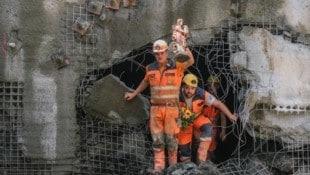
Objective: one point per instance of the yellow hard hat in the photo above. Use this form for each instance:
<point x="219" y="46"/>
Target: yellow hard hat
<point x="160" y="46"/>
<point x="213" y="79"/>
<point x="191" y="80"/>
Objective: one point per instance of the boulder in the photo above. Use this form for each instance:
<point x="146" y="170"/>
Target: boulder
<point x="106" y="101"/>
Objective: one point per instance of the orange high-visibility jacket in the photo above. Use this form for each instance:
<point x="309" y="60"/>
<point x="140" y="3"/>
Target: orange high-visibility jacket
<point x="211" y="112"/>
<point x="164" y="87"/>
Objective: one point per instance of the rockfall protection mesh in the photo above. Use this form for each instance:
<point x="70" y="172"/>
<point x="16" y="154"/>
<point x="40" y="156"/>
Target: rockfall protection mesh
<point x="12" y="157"/>
<point x="107" y="148"/>
<point x="74" y="44"/>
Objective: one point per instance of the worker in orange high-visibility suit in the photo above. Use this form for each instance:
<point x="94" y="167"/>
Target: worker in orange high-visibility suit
<point x="194" y="98"/>
<point x="164" y="77"/>
<point x="215" y="115"/>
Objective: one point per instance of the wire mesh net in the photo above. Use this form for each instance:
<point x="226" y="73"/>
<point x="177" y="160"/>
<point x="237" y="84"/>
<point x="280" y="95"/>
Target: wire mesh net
<point x="79" y="44"/>
<point x="107" y="148"/>
<point x="12" y="157"/>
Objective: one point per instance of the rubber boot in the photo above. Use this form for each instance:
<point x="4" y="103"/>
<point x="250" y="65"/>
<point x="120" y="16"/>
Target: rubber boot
<point x="202" y="152"/>
<point x="159" y="160"/>
<point x="173" y="157"/>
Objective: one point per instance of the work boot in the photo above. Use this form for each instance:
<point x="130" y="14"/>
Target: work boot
<point x="159" y="160"/>
<point x="158" y="172"/>
<point x="202" y="152"/>
<point x="154" y="172"/>
<point x="185" y="159"/>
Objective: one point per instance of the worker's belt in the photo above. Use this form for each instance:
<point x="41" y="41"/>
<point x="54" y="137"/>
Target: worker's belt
<point x="164" y="104"/>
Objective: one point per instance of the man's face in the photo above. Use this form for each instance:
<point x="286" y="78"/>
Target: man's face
<point x="161" y="57"/>
<point x="189" y="91"/>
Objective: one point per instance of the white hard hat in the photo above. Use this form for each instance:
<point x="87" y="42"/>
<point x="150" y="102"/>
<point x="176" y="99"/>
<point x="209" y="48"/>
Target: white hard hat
<point x="160" y="46"/>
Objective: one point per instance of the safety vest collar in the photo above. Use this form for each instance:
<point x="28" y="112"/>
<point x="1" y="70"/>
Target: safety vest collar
<point x="170" y="65"/>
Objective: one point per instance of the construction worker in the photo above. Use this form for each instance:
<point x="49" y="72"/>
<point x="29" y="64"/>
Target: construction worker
<point x="195" y="98"/>
<point x="164" y="77"/>
<point x="215" y="115"/>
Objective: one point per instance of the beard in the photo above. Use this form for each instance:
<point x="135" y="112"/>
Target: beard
<point x="188" y="94"/>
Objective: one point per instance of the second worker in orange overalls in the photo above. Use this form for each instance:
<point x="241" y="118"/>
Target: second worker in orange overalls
<point x="195" y="98"/>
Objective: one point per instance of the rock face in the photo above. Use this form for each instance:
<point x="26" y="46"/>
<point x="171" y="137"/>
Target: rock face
<point x="32" y="31"/>
<point x="278" y="77"/>
<point x="106" y="101"/>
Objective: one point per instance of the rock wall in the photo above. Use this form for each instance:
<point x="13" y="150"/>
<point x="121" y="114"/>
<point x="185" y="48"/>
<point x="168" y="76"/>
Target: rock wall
<point x="39" y="30"/>
<point x="276" y="71"/>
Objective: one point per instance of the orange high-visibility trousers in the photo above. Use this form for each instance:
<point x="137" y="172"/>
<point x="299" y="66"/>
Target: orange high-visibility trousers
<point x="159" y="160"/>
<point x="173" y="157"/>
<point x="185" y="135"/>
<point x="202" y="128"/>
<point x="184" y="140"/>
<point x="164" y="127"/>
<point x="213" y="140"/>
<point x="202" y="152"/>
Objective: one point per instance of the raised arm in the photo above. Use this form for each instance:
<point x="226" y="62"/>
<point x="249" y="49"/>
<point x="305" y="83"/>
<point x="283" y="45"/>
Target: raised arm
<point x="190" y="61"/>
